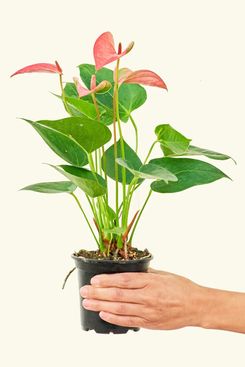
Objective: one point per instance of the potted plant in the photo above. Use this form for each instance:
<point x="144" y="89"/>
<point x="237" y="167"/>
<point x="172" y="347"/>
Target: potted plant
<point x="90" y="139"/>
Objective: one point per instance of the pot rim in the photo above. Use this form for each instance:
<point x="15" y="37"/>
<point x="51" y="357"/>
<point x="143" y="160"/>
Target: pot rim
<point x="108" y="261"/>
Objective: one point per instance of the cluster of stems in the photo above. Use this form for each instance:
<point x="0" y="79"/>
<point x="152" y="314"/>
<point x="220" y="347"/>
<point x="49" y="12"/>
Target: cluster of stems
<point x="113" y="228"/>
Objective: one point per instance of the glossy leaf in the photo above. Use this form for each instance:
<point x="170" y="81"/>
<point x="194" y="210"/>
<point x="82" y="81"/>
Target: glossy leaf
<point x="172" y="142"/>
<point x="130" y="156"/>
<point x="91" y="183"/>
<point x="131" y="96"/>
<point x="190" y="172"/>
<point x="52" y="187"/>
<point x="40" y="68"/>
<point x="193" y="150"/>
<point x="70" y="90"/>
<point x="105" y="52"/>
<point x="85" y="106"/>
<point x="64" y="146"/>
<point x="89" y="134"/>
<point x="148" y="171"/>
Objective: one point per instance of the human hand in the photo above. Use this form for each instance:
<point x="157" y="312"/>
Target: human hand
<point x="153" y="300"/>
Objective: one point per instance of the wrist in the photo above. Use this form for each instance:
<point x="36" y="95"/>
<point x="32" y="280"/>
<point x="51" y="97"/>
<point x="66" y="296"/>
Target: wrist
<point x="221" y="310"/>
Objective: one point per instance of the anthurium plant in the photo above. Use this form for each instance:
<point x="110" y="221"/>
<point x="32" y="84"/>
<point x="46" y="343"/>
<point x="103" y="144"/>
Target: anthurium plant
<point x="90" y="139"/>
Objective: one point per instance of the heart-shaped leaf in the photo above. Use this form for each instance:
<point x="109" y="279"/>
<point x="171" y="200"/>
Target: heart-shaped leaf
<point x="148" y="171"/>
<point x="131" y="96"/>
<point x="89" y="134"/>
<point x="108" y="161"/>
<point x="52" y="187"/>
<point x="91" y="183"/>
<point x="64" y="146"/>
<point x="190" y="172"/>
<point x="172" y="142"/>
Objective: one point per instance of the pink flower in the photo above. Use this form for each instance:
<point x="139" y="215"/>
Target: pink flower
<point x="105" y="52"/>
<point x="102" y="87"/>
<point x="145" y="77"/>
<point x="40" y="68"/>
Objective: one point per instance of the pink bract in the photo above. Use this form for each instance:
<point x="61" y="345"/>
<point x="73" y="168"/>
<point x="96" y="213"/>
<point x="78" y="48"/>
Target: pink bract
<point x="100" y="88"/>
<point x="40" y="68"/>
<point x="144" y="77"/>
<point x="105" y="52"/>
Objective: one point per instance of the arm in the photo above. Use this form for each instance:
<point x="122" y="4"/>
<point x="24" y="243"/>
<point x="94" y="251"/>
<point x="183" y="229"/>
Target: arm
<point x="163" y="301"/>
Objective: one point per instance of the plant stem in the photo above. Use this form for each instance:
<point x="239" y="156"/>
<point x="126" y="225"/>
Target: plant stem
<point x="141" y="211"/>
<point x="116" y="102"/>
<point x="63" y="94"/>
<point x="103" y="150"/>
<point x="84" y="214"/>
<point x="96" y="106"/>
<point x="136" y="133"/>
<point x="115" y="157"/>
<point x="149" y="153"/>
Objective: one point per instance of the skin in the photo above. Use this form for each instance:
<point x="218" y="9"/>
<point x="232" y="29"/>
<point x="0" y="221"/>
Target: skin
<point x="163" y="301"/>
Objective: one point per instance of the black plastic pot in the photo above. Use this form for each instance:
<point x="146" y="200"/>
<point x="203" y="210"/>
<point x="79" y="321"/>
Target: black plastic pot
<point x="87" y="268"/>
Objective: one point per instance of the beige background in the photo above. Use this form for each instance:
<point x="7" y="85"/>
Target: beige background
<point x="198" y="48"/>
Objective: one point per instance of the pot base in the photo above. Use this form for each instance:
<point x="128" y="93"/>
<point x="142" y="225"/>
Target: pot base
<point x="112" y="331"/>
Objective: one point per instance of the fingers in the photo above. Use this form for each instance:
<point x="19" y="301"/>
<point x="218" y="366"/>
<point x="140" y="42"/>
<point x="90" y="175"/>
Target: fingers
<point x="130" y="321"/>
<point x="121" y="280"/>
<point x="113" y="294"/>
<point x="119" y="308"/>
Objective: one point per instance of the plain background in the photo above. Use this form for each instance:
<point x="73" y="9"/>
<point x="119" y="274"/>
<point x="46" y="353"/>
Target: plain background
<point x="198" y="49"/>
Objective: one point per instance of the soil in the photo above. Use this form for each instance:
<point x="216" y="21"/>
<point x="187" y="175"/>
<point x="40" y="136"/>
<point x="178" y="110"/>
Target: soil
<point x="133" y="254"/>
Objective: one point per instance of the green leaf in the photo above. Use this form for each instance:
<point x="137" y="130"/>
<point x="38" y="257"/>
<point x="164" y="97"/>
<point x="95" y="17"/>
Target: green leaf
<point x="131" y="96"/>
<point x="52" y="187"/>
<point x="89" y="134"/>
<point x="91" y="183"/>
<point x="111" y="213"/>
<point x="70" y="90"/>
<point x="77" y="108"/>
<point x="148" y="171"/>
<point x="63" y="145"/>
<point x="190" y="172"/>
<point x="193" y="150"/>
<point x="130" y="156"/>
<point x="83" y="108"/>
<point x="172" y="142"/>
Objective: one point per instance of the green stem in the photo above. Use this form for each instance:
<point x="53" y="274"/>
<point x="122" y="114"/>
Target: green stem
<point x="138" y="218"/>
<point x="116" y="101"/>
<point x="149" y="153"/>
<point x="84" y="214"/>
<point x="103" y="150"/>
<point x="115" y="157"/>
<point x="136" y="133"/>
<point x="63" y="94"/>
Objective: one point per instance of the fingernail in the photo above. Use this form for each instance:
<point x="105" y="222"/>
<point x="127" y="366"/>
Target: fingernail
<point x="95" y="280"/>
<point x="85" y="303"/>
<point x="84" y="291"/>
